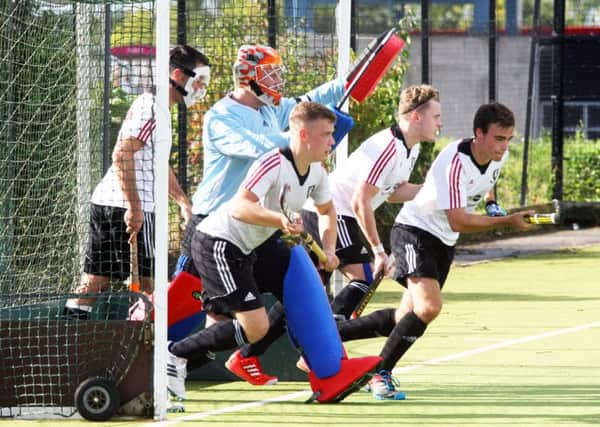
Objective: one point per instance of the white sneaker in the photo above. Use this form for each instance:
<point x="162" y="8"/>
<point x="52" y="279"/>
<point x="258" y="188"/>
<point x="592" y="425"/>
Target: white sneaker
<point x="176" y="372"/>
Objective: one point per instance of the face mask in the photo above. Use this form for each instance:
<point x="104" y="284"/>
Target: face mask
<point x="201" y="79"/>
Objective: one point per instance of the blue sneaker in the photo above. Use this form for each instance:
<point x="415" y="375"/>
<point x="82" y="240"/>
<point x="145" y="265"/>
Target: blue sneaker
<point x="383" y="386"/>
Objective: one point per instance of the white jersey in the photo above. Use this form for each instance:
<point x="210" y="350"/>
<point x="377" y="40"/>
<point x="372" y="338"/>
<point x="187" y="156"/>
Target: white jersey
<point x="139" y="124"/>
<point x="383" y="160"/>
<point x="454" y="181"/>
<point x="267" y="176"/>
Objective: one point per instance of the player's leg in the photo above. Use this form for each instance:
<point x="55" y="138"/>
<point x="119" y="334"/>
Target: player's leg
<point x="355" y="260"/>
<point x="105" y="253"/>
<point x="269" y="270"/>
<point x="422" y="263"/>
<point x="228" y="288"/>
<point x="358" y="278"/>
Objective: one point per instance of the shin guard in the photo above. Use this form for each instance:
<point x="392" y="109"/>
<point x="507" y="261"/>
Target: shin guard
<point x="309" y="317"/>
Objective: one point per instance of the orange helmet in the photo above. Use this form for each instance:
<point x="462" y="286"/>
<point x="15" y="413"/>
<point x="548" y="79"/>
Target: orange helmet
<point x="259" y="68"/>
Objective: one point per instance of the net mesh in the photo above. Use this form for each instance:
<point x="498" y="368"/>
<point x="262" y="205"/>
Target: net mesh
<point x="55" y="86"/>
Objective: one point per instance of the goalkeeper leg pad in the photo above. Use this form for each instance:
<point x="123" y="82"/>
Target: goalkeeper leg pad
<point x="309" y="317"/>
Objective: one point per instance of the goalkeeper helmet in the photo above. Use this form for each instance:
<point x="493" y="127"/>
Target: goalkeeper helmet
<point x="259" y="69"/>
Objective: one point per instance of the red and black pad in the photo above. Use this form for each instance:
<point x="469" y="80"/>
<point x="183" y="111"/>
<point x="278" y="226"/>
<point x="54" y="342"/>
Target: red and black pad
<point x="353" y="374"/>
<point x="375" y="62"/>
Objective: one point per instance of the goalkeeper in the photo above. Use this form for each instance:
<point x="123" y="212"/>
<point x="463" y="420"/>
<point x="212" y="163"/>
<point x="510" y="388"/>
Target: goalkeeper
<point x="123" y="202"/>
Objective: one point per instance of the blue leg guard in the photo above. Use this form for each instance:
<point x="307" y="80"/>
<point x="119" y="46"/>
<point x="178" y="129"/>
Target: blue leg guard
<point x="309" y="317"/>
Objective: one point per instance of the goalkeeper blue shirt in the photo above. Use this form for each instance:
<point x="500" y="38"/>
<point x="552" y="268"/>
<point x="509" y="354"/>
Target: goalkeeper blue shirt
<point x="235" y="135"/>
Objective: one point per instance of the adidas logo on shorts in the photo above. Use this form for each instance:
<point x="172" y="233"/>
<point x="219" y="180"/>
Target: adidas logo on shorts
<point x="364" y="251"/>
<point x="249" y="297"/>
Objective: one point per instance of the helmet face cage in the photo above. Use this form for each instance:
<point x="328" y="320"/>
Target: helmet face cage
<point x="256" y="63"/>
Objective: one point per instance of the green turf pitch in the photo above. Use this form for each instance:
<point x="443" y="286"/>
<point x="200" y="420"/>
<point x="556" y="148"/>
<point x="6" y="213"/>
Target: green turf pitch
<point x="517" y="344"/>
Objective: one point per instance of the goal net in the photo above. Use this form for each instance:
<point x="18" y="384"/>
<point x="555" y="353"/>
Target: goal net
<point x="62" y="95"/>
<point x="69" y="72"/>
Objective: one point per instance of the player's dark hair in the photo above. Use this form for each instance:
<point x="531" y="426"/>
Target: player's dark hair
<point x="186" y="58"/>
<point x="310" y="111"/>
<point x="489" y="114"/>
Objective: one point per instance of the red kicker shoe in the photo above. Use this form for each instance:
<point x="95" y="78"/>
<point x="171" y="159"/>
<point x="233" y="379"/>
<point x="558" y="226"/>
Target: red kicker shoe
<point x="353" y="374"/>
<point x="249" y="369"/>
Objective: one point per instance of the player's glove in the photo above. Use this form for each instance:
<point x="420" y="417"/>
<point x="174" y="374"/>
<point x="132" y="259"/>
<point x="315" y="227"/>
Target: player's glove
<point x="494" y="209"/>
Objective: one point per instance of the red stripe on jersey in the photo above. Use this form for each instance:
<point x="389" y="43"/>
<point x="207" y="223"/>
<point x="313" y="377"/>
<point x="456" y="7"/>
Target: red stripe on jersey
<point x="455" y="169"/>
<point x="146" y="130"/>
<point x="381" y="162"/>
<point x="268" y="164"/>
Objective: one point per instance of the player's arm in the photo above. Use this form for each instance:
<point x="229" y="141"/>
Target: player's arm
<point x="177" y="194"/>
<point x="232" y="137"/>
<point x="405" y="192"/>
<point x="362" y="208"/>
<point x="124" y="166"/>
<point x="462" y="221"/>
<point x="245" y="207"/>
<point x="328" y="93"/>
<point x="328" y="232"/>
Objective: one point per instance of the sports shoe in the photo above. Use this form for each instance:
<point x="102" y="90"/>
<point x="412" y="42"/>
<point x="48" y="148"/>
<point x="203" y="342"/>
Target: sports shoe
<point x="176" y="372"/>
<point x="383" y="386"/>
<point x="249" y="369"/>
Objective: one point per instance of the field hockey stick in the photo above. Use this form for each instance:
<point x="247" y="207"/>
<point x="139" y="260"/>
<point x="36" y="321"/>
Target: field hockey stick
<point x="542" y="219"/>
<point x="367" y="296"/>
<point x="306" y="238"/>
<point x="134" y="272"/>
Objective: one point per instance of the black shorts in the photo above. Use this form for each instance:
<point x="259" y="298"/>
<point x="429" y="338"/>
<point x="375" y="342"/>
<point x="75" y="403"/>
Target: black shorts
<point x="107" y="250"/>
<point x="184" y="262"/>
<point x="233" y="281"/>
<point x="418" y="253"/>
<point x="351" y="246"/>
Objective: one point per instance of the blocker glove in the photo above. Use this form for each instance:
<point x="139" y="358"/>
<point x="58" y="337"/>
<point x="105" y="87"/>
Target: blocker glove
<point x="494" y="209"/>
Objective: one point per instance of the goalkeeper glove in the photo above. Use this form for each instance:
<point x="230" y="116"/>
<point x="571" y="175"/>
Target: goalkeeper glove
<point x="494" y="209"/>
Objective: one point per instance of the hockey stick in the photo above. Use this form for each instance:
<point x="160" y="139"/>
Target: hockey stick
<point x="542" y="219"/>
<point x="367" y="296"/>
<point x="306" y="238"/>
<point x="134" y="272"/>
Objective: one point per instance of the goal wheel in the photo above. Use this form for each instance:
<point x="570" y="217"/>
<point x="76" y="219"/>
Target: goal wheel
<point x="97" y="399"/>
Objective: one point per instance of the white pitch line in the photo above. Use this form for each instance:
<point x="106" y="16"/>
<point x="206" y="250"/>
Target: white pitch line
<point x="497" y="346"/>
<point x="432" y="362"/>
<point x="202" y="415"/>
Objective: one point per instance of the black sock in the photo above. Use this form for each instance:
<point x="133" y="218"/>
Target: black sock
<point x="376" y="324"/>
<point x="347" y="299"/>
<point x="221" y="336"/>
<point x="276" y="329"/>
<point x="402" y="337"/>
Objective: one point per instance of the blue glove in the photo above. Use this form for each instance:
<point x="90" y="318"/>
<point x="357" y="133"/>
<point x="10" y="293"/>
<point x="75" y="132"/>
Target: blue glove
<point x="493" y="209"/>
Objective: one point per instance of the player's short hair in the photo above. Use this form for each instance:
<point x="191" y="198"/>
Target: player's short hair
<point x="488" y="114"/>
<point x="414" y="97"/>
<point x="186" y="58"/>
<point x="309" y="111"/>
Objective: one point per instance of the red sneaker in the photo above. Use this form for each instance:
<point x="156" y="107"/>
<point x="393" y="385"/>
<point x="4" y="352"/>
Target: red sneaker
<point x="249" y="369"/>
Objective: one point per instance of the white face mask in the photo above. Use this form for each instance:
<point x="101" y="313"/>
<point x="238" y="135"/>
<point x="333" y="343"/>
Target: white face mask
<point x="200" y="80"/>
